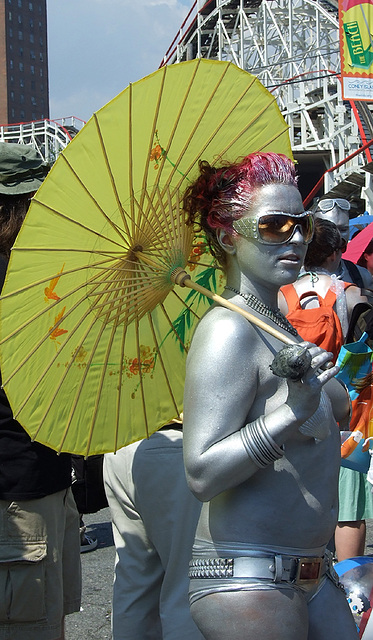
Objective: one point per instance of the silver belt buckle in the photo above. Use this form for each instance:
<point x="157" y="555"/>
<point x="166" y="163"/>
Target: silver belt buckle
<point x="308" y="570"/>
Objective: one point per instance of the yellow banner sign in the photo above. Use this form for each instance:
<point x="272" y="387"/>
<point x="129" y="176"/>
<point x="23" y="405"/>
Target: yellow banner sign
<point x="356" y="42"/>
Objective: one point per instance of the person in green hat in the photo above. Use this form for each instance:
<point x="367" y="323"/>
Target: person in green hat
<point x="40" y="579"/>
<point x="22" y="171"/>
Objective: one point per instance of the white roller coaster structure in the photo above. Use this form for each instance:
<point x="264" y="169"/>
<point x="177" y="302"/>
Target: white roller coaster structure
<point x="293" y="48"/>
<point x="47" y="136"/>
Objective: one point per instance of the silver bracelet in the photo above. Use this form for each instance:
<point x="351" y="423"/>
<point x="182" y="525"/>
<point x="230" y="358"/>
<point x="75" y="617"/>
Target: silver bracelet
<point x="260" y="446"/>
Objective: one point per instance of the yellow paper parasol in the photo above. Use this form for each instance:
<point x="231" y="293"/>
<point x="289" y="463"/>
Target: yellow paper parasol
<point x="94" y="331"/>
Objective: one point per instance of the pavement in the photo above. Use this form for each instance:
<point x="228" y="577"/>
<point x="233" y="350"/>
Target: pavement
<point x="93" y="621"/>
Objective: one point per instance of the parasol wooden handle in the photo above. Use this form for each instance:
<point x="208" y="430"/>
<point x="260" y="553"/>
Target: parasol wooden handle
<point x="181" y="278"/>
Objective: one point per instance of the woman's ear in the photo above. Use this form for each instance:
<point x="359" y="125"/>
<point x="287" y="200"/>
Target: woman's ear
<point x="226" y="241"/>
<point x="336" y="255"/>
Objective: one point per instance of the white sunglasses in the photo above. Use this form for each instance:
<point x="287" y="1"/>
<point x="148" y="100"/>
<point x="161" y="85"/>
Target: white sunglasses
<point x="328" y="204"/>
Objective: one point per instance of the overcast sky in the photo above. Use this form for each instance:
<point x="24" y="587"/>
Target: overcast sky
<point x="97" y="47"/>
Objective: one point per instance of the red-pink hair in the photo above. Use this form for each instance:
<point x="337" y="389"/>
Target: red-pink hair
<point x="221" y="195"/>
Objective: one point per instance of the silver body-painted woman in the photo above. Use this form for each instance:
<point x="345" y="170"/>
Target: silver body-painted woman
<point x="262" y="452"/>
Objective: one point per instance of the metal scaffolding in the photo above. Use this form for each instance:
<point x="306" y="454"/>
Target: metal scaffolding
<point x="293" y="48"/>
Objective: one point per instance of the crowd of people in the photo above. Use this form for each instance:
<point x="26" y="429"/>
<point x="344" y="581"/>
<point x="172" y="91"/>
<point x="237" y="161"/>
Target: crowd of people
<point x="228" y="525"/>
<point x="40" y="574"/>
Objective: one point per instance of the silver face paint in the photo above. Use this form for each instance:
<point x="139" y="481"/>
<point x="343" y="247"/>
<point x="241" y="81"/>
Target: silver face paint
<point x="339" y="216"/>
<point x="272" y="265"/>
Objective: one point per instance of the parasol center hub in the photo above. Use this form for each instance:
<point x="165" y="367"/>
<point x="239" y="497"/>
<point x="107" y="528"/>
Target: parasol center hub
<point x="132" y="254"/>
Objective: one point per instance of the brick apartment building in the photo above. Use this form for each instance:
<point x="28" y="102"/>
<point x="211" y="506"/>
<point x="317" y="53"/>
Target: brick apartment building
<point x="24" y="91"/>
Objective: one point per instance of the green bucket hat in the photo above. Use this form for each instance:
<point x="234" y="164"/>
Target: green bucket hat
<point x="22" y="170"/>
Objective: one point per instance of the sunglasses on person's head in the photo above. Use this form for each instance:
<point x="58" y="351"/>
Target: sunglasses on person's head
<point x="328" y="204"/>
<point x="276" y="227"/>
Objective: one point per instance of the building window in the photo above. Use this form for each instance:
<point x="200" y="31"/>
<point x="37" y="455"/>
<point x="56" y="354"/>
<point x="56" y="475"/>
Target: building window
<point x="31" y="23"/>
<point x="13" y="113"/>
<point x="22" y="98"/>
<point x="21" y="82"/>
<point x="19" y="19"/>
<point x="10" y="16"/>
<point x="21" y="52"/>
<point x="10" y="32"/>
<point x="20" y="35"/>
<point x="32" y="54"/>
<point x="33" y="101"/>
<point x="22" y="114"/>
<point x="30" y="6"/>
<point x="41" y="57"/>
<point x="32" y="38"/>
<point x="32" y="85"/>
<point x="32" y="69"/>
<point x="11" y="64"/>
<point x="12" y="96"/>
<point x="20" y="66"/>
<point x="20" y="3"/>
<point x="41" y="72"/>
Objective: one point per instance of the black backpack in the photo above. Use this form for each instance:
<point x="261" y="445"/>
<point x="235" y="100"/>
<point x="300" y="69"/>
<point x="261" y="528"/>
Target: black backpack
<point x="361" y="322"/>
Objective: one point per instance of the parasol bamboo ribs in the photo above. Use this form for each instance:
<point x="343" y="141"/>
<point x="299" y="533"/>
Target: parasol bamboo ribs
<point x="180" y="277"/>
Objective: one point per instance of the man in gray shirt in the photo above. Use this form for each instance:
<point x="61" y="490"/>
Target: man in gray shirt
<point x="354" y="490"/>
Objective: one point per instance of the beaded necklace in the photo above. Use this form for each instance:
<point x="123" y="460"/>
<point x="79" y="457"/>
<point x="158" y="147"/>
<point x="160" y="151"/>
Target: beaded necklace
<point x="273" y="314"/>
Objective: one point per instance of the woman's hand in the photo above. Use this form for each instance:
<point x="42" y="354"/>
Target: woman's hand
<point x="304" y="394"/>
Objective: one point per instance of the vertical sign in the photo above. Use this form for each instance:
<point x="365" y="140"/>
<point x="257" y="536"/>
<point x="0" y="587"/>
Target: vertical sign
<point x="356" y="43"/>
